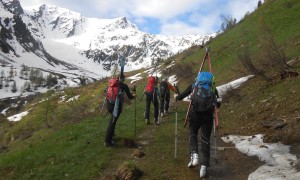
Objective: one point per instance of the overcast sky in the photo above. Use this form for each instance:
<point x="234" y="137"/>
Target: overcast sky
<point x="169" y="17"/>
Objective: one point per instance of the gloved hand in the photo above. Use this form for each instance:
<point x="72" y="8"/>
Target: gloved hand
<point x="219" y="100"/>
<point x="175" y="97"/>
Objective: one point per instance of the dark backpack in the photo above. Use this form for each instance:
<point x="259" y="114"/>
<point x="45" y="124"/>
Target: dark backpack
<point x="204" y="97"/>
<point x="112" y="90"/>
<point x="163" y="88"/>
<point x="150" y="85"/>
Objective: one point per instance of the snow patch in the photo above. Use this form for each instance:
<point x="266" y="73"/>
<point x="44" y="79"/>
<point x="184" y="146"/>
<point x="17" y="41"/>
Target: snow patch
<point x="279" y="161"/>
<point x="18" y="117"/>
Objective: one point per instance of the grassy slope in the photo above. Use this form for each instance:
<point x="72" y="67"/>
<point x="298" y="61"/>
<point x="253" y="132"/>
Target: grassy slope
<point x="73" y="145"/>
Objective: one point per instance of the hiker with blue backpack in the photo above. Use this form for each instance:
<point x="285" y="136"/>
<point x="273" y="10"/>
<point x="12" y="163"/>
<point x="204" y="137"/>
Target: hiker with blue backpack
<point x="115" y="98"/>
<point x="201" y="115"/>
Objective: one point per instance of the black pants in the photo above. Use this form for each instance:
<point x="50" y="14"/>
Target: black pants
<point x="112" y="123"/>
<point x="164" y="102"/>
<point x="151" y="98"/>
<point x="203" y="121"/>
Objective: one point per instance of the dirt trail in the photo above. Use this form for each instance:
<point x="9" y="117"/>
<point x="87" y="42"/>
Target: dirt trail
<point x="159" y="163"/>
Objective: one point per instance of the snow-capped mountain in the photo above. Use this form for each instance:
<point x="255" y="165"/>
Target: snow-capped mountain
<point x="61" y="41"/>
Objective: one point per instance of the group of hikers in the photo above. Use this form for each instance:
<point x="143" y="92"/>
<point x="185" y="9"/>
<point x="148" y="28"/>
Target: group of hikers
<point x="203" y="103"/>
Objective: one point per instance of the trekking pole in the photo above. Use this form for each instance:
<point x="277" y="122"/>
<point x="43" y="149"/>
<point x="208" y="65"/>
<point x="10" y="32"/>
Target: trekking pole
<point x="104" y="102"/>
<point x="176" y="136"/>
<point x="143" y="93"/>
<point x="134" y="90"/>
<point x="96" y="131"/>
<point x="201" y="67"/>
<point x="176" y="119"/>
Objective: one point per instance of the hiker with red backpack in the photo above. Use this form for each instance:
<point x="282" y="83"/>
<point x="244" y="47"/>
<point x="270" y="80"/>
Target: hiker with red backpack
<point x="152" y="93"/>
<point x="201" y="116"/>
<point x="164" y="89"/>
<point x="115" y="98"/>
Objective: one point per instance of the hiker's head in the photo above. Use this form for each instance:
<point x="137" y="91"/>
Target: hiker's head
<point x="122" y="78"/>
<point x="166" y="79"/>
<point x="156" y="79"/>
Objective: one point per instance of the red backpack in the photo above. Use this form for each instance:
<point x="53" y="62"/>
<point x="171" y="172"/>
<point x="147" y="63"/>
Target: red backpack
<point x="112" y="90"/>
<point x="150" y="85"/>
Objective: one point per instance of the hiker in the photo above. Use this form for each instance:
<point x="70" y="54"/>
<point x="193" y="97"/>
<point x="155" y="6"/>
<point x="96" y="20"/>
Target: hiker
<point x="164" y="90"/>
<point x="112" y="105"/>
<point x="151" y="92"/>
<point x="204" y="100"/>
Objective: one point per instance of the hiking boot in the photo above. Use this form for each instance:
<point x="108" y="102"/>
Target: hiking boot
<point x="161" y="114"/>
<point x="107" y="144"/>
<point x="147" y="121"/>
<point x="194" y="160"/>
<point x="203" y="171"/>
<point x="156" y="121"/>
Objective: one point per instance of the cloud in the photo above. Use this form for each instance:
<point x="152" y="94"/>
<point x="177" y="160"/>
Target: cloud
<point x="161" y="16"/>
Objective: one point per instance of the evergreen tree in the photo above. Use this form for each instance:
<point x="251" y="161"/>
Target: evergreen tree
<point x="23" y="67"/>
<point x="32" y="74"/>
<point x="1" y="84"/>
<point x="6" y="82"/>
<point x="27" y="86"/>
<point x="22" y="74"/>
<point x="11" y="73"/>
<point x="2" y="74"/>
<point x="2" y="63"/>
<point x="259" y="3"/>
<point x="14" y="87"/>
<point x="26" y="75"/>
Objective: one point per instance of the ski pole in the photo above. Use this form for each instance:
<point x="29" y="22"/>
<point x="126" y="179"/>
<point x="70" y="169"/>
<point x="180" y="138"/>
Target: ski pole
<point x="104" y="102"/>
<point x="96" y="131"/>
<point x="176" y="136"/>
<point x="143" y="94"/>
<point x="201" y="67"/>
<point x="134" y="90"/>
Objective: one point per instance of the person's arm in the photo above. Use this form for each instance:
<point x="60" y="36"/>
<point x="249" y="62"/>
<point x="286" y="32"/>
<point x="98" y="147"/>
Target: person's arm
<point x="127" y="91"/>
<point x="171" y="87"/>
<point x="218" y="104"/>
<point x="184" y="94"/>
<point x="156" y="90"/>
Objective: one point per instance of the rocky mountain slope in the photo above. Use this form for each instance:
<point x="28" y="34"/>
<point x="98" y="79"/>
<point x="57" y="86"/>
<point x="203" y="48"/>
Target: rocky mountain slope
<point x="62" y="41"/>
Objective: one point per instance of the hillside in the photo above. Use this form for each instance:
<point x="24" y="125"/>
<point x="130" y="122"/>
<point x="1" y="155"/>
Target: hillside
<point x="62" y="135"/>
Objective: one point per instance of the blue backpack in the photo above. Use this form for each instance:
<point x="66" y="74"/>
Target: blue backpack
<point x="204" y="97"/>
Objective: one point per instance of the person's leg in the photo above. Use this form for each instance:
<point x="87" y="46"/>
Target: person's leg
<point x="148" y="102"/>
<point x="156" y="104"/>
<point x="206" y="129"/>
<point x="194" y="125"/>
<point x="162" y="100"/>
<point x="110" y="131"/>
<point x="111" y="127"/>
<point x="167" y="101"/>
